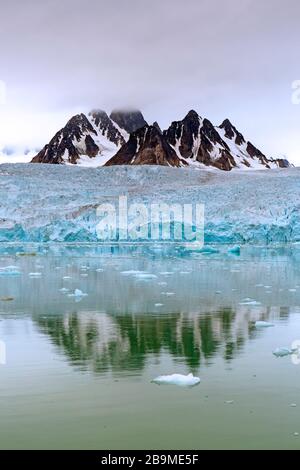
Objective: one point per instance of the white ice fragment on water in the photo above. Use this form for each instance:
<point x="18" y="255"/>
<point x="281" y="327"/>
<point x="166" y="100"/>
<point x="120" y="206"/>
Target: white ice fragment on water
<point x="292" y="290"/>
<point x="185" y="272"/>
<point x="10" y="271"/>
<point x="34" y="274"/>
<point x="158" y="305"/>
<point x="293" y="405"/>
<point x="64" y="289"/>
<point x="145" y="276"/>
<point x="99" y="270"/>
<point x="283" y="351"/>
<point x="84" y="275"/>
<point x="168" y="293"/>
<point x="250" y="302"/>
<point x="131" y="272"/>
<point x="177" y="379"/>
<point x="229" y="402"/>
<point x="162" y="283"/>
<point x="78" y="293"/>
<point x="67" y="277"/>
<point x="263" y="324"/>
<point x="166" y="273"/>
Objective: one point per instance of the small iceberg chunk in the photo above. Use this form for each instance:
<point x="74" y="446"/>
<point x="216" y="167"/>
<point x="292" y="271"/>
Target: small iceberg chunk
<point x="250" y="302"/>
<point x="131" y="272"/>
<point x="77" y="293"/>
<point x="177" y="379"/>
<point x="10" y="271"/>
<point x="145" y="276"/>
<point x="263" y="324"/>
<point x="208" y="250"/>
<point x="235" y="250"/>
<point x="34" y="274"/>
<point x="281" y="352"/>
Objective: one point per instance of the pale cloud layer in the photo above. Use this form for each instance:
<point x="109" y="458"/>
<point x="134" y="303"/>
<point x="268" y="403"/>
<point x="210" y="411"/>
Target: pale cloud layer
<point x="233" y="59"/>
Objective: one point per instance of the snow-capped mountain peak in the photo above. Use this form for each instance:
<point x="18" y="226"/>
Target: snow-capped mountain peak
<point x="88" y="140"/>
<point x="231" y="132"/>
<point x="146" y="146"/>
<point x="124" y="137"/>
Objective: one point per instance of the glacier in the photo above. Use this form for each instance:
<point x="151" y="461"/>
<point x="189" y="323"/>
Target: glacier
<point x="49" y="203"/>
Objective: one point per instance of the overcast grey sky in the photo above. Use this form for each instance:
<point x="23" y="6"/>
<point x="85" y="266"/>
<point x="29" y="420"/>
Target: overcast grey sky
<point x="233" y="59"/>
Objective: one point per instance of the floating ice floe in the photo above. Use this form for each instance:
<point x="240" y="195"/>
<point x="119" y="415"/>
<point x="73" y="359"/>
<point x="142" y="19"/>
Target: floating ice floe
<point x="263" y="324"/>
<point x="34" y="274"/>
<point x="158" y="305"/>
<point x="234" y="250"/>
<point x="64" y="290"/>
<point x="10" y="271"/>
<point x="132" y="272"/>
<point x="145" y="276"/>
<point x="177" y="379"/>
<point x="281" y="352"/>
<point x="250" y="302"/>
<point x="67" y="277"/>
<point x="78" y="293"/>
<point x="208" y="250"/>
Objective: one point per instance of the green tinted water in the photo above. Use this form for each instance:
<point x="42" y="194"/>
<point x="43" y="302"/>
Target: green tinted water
<point x="78" y="370"/>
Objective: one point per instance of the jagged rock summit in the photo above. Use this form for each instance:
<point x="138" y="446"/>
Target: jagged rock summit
<point x="73" y="140"/>
<point x="90" y="140"/>
<point x="129" y="120"/>
<point x="125" y="138"/>
<point x="146" y="146"/>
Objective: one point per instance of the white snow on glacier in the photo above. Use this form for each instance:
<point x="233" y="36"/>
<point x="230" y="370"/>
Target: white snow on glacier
<point x="44" y="203"/>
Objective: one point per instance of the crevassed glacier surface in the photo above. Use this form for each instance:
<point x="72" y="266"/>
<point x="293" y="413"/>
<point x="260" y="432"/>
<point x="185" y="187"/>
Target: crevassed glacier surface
<point x="45" y="203"/>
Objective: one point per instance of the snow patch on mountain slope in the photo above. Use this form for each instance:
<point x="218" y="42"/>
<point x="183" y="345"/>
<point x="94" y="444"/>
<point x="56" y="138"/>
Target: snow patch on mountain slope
<point x="240" y="152"/>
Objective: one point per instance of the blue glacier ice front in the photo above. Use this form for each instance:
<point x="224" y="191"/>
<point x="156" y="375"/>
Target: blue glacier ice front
<point x="49" y="203"/>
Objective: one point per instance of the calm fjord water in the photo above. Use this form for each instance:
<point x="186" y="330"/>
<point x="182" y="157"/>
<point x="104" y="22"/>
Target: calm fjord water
<point x="79" y="368"/>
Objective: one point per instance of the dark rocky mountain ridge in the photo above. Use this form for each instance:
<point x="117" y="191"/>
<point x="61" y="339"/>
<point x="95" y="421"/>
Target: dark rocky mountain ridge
<point x="125" y="138"/>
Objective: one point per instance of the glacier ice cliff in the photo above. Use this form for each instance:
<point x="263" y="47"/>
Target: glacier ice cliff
<point x="48" y="203"/>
